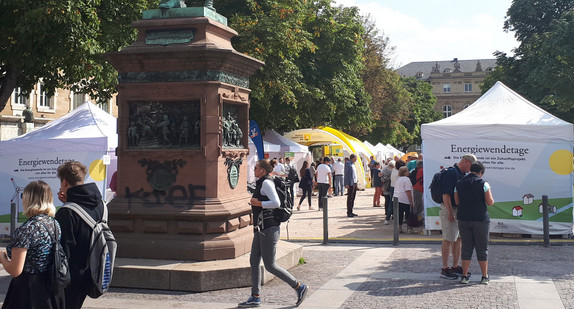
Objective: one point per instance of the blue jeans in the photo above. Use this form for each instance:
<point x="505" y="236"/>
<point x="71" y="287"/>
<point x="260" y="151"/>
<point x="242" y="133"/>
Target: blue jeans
<point x="339" y="187"/>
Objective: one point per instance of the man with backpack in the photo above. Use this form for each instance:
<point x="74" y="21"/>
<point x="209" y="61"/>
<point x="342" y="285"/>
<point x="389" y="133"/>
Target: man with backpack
<point x="76" y="234"/>
<point x="449" y="225"/>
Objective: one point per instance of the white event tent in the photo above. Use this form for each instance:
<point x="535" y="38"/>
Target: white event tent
<point x="300" y="152"/>
<point x="527" y="153"/>
<point x="86" y="134"/>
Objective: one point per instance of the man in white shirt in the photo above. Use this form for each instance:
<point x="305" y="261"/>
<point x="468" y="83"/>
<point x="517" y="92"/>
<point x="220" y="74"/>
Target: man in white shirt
<point x="339" y="169"/>
<point x="279" y="169"/>
<point x="324" y="180"/>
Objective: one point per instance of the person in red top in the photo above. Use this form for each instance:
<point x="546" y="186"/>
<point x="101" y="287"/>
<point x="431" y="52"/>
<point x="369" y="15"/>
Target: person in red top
<point x="418" y="187"/>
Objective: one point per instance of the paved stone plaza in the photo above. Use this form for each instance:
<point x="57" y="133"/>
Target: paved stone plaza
<point x="362" y="270"/>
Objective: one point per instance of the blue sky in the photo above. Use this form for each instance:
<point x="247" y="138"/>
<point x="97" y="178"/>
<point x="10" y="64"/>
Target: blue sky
<point x="426" y="30"/>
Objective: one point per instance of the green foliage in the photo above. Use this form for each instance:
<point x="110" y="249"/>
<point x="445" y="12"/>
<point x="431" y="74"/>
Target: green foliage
<point x="62" y="42"/>
<point x="313" y="60"/>
<point x="302" y="261"/>
<point x="422" y="108"/>
<point x="541" y="69"/>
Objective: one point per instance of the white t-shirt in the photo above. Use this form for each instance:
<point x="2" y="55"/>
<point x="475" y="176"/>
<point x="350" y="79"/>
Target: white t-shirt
<point x="403" y="185"/>
<point x="339" y="168"/>
<point x="279" y="168"/>
<point x="323" y="174"/>
<point x="394" y="176"/>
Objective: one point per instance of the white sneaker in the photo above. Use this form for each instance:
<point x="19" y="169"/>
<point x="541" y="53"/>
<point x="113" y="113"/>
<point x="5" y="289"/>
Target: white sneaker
<point x="386" y="222"/>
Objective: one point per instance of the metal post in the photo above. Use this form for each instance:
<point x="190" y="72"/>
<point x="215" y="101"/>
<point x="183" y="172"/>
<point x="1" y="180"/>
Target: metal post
<point x="325" y="220"/>
<point x="13" y="218"/>
<point x="545" y="222"/>
<point x="396" y="221"/>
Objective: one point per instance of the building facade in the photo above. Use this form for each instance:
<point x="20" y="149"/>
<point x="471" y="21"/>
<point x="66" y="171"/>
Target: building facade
<point x="456" y="83"/>
<point x="41" y="109"/>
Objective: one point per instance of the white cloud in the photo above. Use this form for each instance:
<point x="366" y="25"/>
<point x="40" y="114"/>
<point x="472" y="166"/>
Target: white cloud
<point x="469" y="36"/>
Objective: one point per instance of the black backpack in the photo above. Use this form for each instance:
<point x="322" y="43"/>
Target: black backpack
<point x="292" y="175"/>
<point x="58" y="277"/>
<point x="435" y="186"/>
<point x="413" y="176"/>
<point x="284" y="211"/>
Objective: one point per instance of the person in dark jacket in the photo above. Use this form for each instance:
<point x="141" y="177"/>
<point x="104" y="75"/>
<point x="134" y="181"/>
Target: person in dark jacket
<point x="472" y="195"/>
<point x="75" y="232"/>
<point x="265" y="237"/>
<point x="306" y="184"/>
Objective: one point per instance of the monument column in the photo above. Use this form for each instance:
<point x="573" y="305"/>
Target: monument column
<point x="183" y="107"/>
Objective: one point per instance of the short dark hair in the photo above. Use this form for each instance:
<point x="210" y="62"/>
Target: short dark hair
<point x="477" y="167"/>
<point x="73" y="172"/>
<point x="352" y="156"/>
<point x="326" y="159"/>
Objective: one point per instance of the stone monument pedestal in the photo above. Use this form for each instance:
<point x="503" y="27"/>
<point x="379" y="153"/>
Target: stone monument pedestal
<point x="183" y="106"/>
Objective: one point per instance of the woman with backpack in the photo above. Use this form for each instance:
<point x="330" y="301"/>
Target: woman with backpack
<point x="306" y="184"/>
<point x="29" y="255"/>
<point x="266" y="236"/>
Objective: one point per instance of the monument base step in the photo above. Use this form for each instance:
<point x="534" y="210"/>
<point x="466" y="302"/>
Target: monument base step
<point x="192" y="276"/>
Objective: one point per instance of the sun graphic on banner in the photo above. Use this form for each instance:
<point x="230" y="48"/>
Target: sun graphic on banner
<point x="97" y="170"/>
<point x="561" y="162"/>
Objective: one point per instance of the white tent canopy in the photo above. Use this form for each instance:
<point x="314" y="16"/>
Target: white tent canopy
<point x="286" y="144"/>
<point x="253" y="157"/>
<point x="86" y="134"/>
<point x="500" y="113"/>
<point x="526" y="151"/>
<point x="86" y="128"/>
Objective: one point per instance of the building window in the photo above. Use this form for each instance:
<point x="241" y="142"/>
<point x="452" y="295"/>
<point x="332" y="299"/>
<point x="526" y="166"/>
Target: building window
<point x="446" y="88"/>
<point x="45" y="101"/>
<point x="467" y="87"/>
<point x="447" y="111"/>
<point x="20" y="98"/>
<point x="78" y="99"/>
<point x="104" y="106"/>
<point x="419" y="74"/>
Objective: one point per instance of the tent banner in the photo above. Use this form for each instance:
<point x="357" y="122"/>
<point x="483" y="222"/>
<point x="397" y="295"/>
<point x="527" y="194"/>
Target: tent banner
<point x="519" y="173"/>
<point x="16" y="171"/>
<point x="255" y="135"/>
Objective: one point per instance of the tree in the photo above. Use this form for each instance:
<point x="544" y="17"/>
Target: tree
<point x="541" y="69"/>
<point x="313" y="59"/>
<point x="61" y="42"/>
<point x="422" y="108"/>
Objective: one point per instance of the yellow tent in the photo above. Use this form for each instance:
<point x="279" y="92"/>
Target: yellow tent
<point x="324" y="135"/>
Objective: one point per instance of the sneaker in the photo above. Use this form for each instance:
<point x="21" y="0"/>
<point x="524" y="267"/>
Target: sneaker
<point x="251" y="302"/>
<point x="446" y="273"/>
<point x="301" y="292"/>
<point x="386" y="222"/>
<point x="485" y="280"/>
<point x="464" y="279"/>
<point x="458" y="271"/>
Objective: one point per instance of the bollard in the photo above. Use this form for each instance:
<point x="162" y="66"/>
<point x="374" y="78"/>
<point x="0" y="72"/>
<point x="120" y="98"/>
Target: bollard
<point x="396" y="221"/>
<point x="13" y="218"/>
<point x="325" y="221"/>
<point x="545" y="221"/>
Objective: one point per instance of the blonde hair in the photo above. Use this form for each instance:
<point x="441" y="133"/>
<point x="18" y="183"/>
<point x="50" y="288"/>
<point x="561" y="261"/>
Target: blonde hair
<point x="37" y="199"/>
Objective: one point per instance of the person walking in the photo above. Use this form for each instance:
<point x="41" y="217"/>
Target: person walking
<point x="266" y="235"/>
<point x="351" y="180"/>
<point x="404" y="193"/>
<point x="27" y="257"/>
<point x="306" y="184"/>
<point x="473" y="196"/>
<point x="76" y="234"/>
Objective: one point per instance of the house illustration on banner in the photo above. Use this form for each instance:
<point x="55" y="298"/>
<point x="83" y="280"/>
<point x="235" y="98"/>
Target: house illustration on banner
<point x="551" y="209"/>
<point x="517" y="211"/>
<point x="528" y="199"/>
